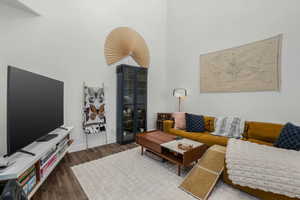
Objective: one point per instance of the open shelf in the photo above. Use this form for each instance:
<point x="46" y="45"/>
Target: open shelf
<point x="32" y="171"/>
<point x="38" y="185"/>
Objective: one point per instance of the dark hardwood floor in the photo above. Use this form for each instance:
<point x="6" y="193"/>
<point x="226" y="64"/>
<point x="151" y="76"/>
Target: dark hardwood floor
<point x="62" y="183"/>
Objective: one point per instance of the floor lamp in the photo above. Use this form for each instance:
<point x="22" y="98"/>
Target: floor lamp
<point x="180" y="93"/>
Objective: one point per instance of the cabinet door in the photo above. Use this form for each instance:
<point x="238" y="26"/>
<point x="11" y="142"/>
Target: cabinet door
<point x="128" y="86"/>
<point x="141" y="116"/>
<point x="141" y="101"/>
<point x="128" y="104"/>
<point x="141" y="87"/>
<point x="128" y="123"/>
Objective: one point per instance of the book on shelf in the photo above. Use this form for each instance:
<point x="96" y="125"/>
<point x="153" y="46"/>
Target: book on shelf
<point x="27" y="178"/>
<point x="28" y="187"/>
<point x="47" y="156"/>
<point x="62" y="150"/>
<point x="44" y="170"/>
<point x="62" y="143"/>
<point x="26" y="173"/>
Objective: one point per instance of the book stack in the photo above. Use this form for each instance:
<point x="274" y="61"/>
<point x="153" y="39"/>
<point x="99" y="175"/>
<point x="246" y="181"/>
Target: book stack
<point x="28" y="180"/>
<point x="46" y="167"/>
<point x="62" y="147"/>
<point x="48" y="155"/>
<point x="50" y="158"/>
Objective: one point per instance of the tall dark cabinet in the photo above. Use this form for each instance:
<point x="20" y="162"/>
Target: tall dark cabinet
<point x="131" y="102"/>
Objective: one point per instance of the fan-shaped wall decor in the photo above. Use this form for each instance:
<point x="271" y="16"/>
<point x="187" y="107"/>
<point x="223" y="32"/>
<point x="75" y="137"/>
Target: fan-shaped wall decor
<point x="123" y="42"/>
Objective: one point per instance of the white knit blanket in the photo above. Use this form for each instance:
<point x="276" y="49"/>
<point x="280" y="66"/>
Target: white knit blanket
<point x="264" y="167"/>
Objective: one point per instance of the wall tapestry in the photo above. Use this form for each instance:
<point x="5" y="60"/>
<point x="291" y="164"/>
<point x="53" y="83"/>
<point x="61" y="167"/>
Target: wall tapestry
<point x="251" y="67"/>
<point x="123" y="42"/>
<point x="94" y="110"/>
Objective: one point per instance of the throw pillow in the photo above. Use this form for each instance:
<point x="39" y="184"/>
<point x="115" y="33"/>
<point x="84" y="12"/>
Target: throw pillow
<point x="232" y="127"/>
<point x="194" y="123"/>
<point x="179" y="120"/>
<point x="289" y="137"/>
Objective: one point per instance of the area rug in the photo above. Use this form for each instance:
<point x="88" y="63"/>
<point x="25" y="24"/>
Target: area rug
<point x="130" y="176"/>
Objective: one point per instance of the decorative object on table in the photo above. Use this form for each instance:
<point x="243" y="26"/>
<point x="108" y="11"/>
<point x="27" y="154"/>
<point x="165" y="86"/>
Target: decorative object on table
<point x="194" y="123"/>
<point x="123" y="42"/>
<point x="161" y="117"/>
<point x="247" y="68"/>
<point x="289" y="137"/>
<point x="131" y="102"/>
<point x="232" y="127"/>
<point x="94" y="119"/>
<point x="180" y="93"/>
<point x="185" y="147"/>
<point x="180" y="121"/>
<point x="205" y="173"/>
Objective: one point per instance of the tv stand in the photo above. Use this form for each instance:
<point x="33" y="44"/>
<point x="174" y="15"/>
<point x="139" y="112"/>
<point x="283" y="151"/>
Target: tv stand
<point x="47" y="156"/>
<point x="47" y="138"/>
<point x="26" y="152"/>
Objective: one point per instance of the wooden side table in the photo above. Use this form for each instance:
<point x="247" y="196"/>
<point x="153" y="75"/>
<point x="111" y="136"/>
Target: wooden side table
<point x="161" y="117"/>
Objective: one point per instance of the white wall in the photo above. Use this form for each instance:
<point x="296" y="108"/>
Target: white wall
<point x="66" y="42"/>
<point x="196" y="27"/>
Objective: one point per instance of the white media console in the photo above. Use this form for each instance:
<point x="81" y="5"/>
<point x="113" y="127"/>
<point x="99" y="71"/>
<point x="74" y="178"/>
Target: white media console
<point x="32" y="171"/>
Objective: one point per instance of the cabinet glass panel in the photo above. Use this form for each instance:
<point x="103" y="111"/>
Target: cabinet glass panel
<point x="128" y="87"/>
<point x="141" y="87"/>
<point x="142" y="76"/>
<point x="141" y="96"/>
<point x="141" y="117"/>
<point x="128" y="74"/>
<point x="128" y="123"/>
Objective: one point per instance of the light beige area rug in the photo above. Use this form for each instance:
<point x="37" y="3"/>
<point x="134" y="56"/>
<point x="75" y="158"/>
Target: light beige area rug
<point x="130" y="176"/>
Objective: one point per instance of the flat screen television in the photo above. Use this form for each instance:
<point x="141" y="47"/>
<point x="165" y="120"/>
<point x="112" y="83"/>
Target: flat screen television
<point x="35" y="107"/>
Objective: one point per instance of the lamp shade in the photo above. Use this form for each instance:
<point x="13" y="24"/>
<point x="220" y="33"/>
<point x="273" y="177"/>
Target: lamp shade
<point x="123" y="42"/>
<point x="179" y="92"/>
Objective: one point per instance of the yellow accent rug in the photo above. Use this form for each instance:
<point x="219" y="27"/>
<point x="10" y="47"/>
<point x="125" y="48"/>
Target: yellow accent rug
<point x="203" y="177"/>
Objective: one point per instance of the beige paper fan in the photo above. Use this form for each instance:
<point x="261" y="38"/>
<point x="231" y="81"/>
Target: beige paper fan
<point x="123" y="42"/>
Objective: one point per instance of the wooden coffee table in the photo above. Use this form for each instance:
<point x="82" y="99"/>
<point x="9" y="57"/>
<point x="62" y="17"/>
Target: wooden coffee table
<point x="165" y="146"/>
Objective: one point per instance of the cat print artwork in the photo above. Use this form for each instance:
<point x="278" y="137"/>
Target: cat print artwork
<point x="94" y="110"/>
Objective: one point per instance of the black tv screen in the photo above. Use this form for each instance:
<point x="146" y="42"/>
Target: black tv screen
<point x="34" y="107"/>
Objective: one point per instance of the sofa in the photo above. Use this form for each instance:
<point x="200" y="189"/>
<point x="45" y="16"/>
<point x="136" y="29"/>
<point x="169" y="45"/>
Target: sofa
<point x="257" y="132"/>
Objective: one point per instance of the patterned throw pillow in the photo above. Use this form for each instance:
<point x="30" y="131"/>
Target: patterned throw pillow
<point x="194" y="123"/>
<point x="289" y="137"/>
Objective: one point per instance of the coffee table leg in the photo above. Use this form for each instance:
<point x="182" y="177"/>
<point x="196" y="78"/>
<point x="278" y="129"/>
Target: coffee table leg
<point x="178" y="170"/>
<point x="142" y="152"/>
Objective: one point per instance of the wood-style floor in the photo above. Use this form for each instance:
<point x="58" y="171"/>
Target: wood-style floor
<point x="62" y="183"/>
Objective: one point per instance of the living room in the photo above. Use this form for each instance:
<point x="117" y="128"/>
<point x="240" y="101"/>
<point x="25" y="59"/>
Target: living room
<point x="74" y="42"/>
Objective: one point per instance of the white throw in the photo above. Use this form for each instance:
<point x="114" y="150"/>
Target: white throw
<point x="264" y="167"/>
